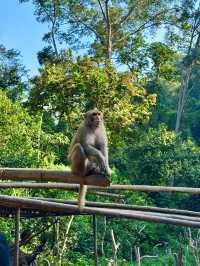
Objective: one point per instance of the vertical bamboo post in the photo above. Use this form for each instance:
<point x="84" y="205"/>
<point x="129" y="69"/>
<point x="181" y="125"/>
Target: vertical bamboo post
<point x="17" y="236"/>
<point x="82" y="196"/>
<point x="94" y="222"/>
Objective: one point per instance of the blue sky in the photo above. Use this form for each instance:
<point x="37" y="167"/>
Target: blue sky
<point x="20" y="30"/>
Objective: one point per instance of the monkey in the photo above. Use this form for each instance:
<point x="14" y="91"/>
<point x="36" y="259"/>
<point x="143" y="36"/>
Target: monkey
<point x="88" y="152"/>
<point x="89" y="146"/>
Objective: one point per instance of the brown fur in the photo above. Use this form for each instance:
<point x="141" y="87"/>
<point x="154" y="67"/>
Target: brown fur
<point x="88" y="152"/>
<point x="89" y="146"/>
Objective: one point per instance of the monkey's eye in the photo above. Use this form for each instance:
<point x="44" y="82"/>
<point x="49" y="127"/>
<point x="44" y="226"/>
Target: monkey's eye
<point x="94" y="114"/>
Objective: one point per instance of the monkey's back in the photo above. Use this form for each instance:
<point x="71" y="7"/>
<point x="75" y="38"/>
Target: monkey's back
<point x="77" y="138"/>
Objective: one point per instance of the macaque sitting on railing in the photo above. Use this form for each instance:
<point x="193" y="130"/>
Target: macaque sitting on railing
<point x="88" y="152"/>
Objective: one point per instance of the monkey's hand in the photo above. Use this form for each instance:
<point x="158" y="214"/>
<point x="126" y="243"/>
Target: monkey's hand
<point x="105" y="171"/>
<point x="108" y="171"/>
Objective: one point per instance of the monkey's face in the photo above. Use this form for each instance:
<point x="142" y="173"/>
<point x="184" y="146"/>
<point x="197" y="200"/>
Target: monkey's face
<point x="94" y="118"/>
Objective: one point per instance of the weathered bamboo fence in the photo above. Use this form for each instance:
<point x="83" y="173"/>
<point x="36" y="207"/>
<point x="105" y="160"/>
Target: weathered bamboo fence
<point x="165" y="212"/>
<point x="163" y="215"/>
<point x="50" y="175"/>
<point x="125" y="207"/>
<point x="60" y="186"/>
<point x="144" y="188"/>
<point x="67" y="181"/>
<point x="65" y="177"/>
<point x="22" y="202"/>
<point x="100" y="185"/>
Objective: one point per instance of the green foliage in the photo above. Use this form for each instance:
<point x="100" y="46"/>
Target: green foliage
<point x="11" y="73"/>
<point x="162" y="57"/>
<point x="159" y="156"/>
<point x="91" y="19"/>
<point x="18" y="135"/>
<point x="23" y="143"/>
<point x="71" y="87"/>
<point x="134" y="54"/>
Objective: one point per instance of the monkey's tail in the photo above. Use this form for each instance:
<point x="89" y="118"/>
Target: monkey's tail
<point x="81" y="198"/>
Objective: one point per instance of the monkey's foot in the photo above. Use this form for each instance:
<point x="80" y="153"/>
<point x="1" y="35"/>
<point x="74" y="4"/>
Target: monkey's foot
<point x="96" y="171"/>
<point x="104" y="174"/>
<point x="92" y="172"/>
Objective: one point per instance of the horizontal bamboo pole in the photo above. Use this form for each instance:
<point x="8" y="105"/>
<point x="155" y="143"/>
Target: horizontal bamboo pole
<point x="94" y="182"/>
<point x="39" y="185"/>
<point x="107" y="194"/>
<point x="174" y="216"/>
<point x="70" y="187"/>
<point x="20" y="202"/>
<point x="125" y="207"/>
<point x="51" y="175"/>
<point x="89" y="179"/>
<point x="144" y="188"/>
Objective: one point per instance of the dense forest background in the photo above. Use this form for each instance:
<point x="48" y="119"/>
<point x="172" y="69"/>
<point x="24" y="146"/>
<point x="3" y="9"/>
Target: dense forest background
<point x="98" y="53"/>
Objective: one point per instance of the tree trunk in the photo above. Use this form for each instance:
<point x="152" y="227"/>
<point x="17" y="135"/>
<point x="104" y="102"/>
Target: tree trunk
<point x="179" y="258"/>
<point x="53" y="31"/>
<point x="54" y="41"/>
<point x="94" y="220"/>
<point x="186" y="75"/>
<point x="109" y="32"/>
<point x="103" y="236"/>
<point x="39" y="139"/>
<point x="115" y="247"/>
<point x="17" y="237"/>
<point x="182" y="97"/>
<point x="57" y="235"/>
<point x="64" y="241"/>
<point x="137" y="255"/>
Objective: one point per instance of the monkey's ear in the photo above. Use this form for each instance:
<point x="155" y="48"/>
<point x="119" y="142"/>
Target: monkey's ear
<point x="86" y="114"/>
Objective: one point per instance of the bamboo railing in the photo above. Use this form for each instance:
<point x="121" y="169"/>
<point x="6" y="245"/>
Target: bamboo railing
<point x="60" y="179"/>
<point x="42" y="175"/>
<point x="126" y="207"/>
<point x="63" y="208"/>
<point x="65" y="180"/>
<point x="100" y="184"/>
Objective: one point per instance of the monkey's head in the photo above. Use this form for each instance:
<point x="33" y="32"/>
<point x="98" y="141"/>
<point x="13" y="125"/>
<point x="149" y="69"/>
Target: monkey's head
<point x="94" y="118"/>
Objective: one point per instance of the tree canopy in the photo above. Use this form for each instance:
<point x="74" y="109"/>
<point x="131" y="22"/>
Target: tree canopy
<point x="138" y="62"/>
